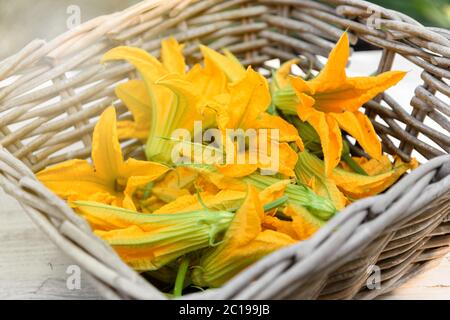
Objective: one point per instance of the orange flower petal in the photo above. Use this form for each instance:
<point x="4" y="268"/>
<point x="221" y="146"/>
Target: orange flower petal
<point x="330" y="135"/>
<point x="282" y="74"/>
<point x="355" y="92"/>
<point x="249" y="98"/>
<point x="287" y="132"/>
<point x="135" y="96"/>
<point x="106" y="151"/>
<point x="172" y="56"/>
<point x="361" y="128"/>
<point x="73" y="177"/>
<point x="358" y="186"/>
<point x="232" y="68"/>
<point x="333" y="74"/>
<point x="237" y="170"/>
<point x="310" y="170"/>
<point x="147" y="65"/>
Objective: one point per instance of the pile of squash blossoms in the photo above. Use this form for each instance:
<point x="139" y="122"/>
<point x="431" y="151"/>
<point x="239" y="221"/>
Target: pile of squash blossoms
<point x="196" y="223"/>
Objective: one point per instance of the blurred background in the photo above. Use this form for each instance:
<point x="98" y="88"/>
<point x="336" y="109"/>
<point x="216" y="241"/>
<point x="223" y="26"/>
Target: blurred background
<point x="24" y="20"/>
<point x="429" y="12"/>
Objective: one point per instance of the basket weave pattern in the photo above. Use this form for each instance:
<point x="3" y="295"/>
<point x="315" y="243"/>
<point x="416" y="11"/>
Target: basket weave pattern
<point x="51" y="94"/>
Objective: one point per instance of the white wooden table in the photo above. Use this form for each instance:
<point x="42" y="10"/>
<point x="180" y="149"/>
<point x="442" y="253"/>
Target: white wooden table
<point x="31" y="267"/>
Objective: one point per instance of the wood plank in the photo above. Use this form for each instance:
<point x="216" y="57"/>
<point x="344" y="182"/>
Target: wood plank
<point x="32" y="267"/>
<point x="433" y="284"/>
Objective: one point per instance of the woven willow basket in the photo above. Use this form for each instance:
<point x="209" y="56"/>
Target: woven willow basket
<point x="52" y="93"/>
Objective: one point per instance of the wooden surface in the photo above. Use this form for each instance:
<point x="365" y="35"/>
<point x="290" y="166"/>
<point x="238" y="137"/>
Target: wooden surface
<point x="31" y="267"/>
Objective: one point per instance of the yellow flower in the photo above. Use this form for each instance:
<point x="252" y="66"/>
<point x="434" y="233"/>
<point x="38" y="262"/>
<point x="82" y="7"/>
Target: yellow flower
<point x="275" y="224"/>
<point x="172" y="56"/>
<point x="296" y="223"/>
<point x="281" y="78"/>
<point x="243" y="243"/>
<point x="228" y="63"/>
<point x="176" y="99"/>
<point x="374" y="167"/>
<point x="283" y="96"/>
<point x="243" y="102"/>
<point x="248" y="98"/>
<point x="341" y="183"/>
<point x="380" y="178"/>
<point x="319" y="208"/>
<point x="273" y="192"/>
<point x="175" y="184"/>
<point x="299" y="224"/>
<point x="210" y="179"/>
<point x="244" y="108"/>
<point x="302" y="223"/>
<point x="310" y="171"/>
<point x="287" y="132"/>
<point x="211" y="82"/>
<point x="227" y="200"/>
<point x="135" y="97"/>
<point x="245" y="105"/>
<point x="173" y="100"/>
<point x="150" y="241"/>
<point x="286" y="162"/>
<point x="108" y="177"/>
<point x="330" y="102"/>
<point x="135" y="94"/>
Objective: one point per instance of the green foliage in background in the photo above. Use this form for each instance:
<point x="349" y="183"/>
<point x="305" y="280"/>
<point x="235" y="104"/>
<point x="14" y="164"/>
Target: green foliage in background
<point x="428" y="12"/>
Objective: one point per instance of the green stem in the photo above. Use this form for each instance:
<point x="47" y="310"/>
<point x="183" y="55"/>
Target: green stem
<point x="181" y="275"/>
<point x="353" y="165"/>
<point x="148" y="189"/>
<point x="276" y="203"/>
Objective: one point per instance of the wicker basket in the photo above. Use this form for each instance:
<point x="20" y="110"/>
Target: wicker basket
<point x="51" y="93"/>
